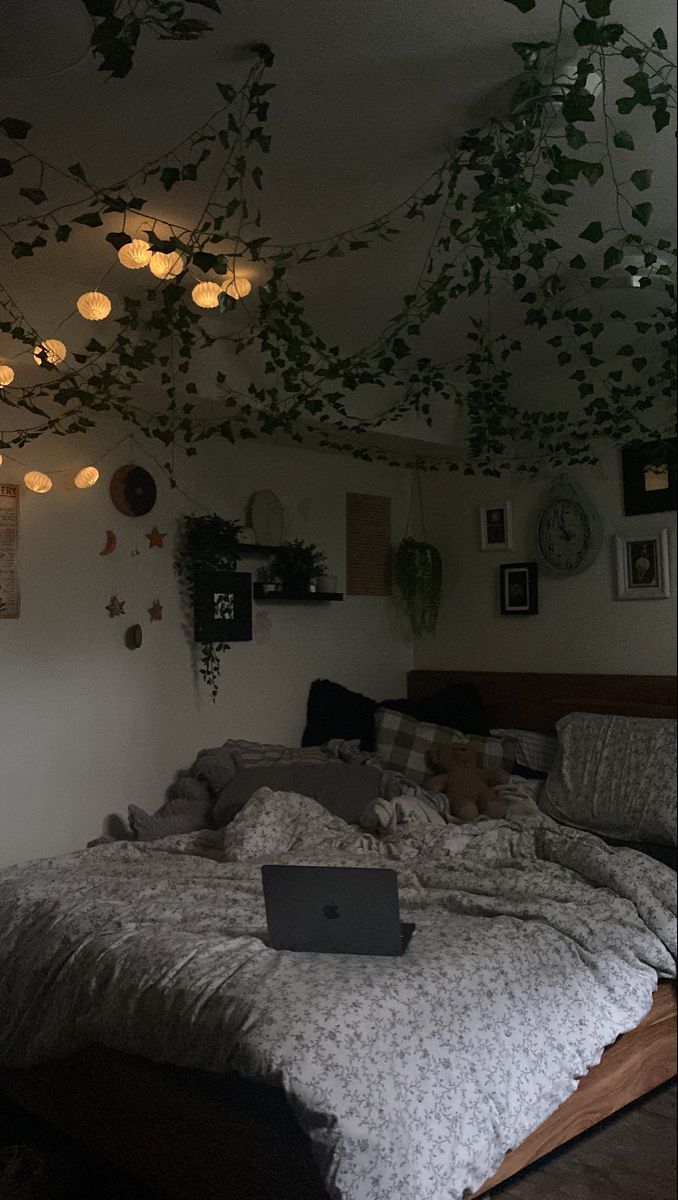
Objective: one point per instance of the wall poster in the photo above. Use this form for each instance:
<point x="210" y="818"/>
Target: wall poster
<point x="9" y="550"/>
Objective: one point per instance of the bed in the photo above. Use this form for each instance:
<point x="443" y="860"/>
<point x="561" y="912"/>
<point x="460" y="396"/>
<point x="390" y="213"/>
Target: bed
<point x="189" y="1132"/>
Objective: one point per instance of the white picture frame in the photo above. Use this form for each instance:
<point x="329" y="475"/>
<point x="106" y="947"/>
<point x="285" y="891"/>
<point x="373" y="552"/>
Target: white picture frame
<point x="642" y="562"/>
<point x="496" y="526"/>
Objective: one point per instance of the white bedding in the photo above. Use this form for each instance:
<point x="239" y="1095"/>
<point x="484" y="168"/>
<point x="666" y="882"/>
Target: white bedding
<point x="536" y="946"/>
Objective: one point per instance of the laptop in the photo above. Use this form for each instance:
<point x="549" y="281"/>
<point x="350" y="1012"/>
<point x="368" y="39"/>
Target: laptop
<point x="334" y="910"/>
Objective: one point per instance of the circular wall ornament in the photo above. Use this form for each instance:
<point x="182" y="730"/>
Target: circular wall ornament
<point x="569" y="530"/>
<point x="133" y="491"/>
<point x="266" y="516"/>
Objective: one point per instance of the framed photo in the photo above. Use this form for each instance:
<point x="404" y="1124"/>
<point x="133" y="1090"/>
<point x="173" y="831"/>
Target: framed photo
<point x="496" y="527"/>
<point x="518" y="589"/>
<point x="643" y="566"/>
<point x="223" y="607"/>
<point x="649" y="477"/>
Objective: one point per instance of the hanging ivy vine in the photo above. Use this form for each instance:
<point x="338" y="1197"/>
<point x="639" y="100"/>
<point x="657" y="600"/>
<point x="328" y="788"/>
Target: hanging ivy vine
<point x="208" y="544"/>
<point x="495" y="202"/>
<point x="118" y="24"/>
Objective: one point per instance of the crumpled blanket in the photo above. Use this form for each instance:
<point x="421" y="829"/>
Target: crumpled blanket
<point x="535" y="947"/>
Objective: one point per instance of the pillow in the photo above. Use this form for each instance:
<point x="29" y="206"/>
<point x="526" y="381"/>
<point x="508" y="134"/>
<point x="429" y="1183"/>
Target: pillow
<point x="615" y="776"/>
<point x="535" y="752"/>
<point x="344" y="790"/>
<point x="334" y="711"/>
<point x="404" y="745"/>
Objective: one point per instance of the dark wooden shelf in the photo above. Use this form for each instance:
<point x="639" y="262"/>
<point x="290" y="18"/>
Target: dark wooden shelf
<point x="256" y="550"/>
<point x="293" y="597"/>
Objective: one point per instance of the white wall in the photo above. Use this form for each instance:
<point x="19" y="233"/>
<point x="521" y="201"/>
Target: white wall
<point x="581" y="626"/>
<point x="88" y="726"/>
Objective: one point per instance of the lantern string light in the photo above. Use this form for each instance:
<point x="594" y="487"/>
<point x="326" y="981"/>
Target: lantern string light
<point x="87" y="477"/>
<point x="206" y="294"/>
<point x="94" y="306"/>
<point x="37" y="481"/>
<point x="6" y="375"/>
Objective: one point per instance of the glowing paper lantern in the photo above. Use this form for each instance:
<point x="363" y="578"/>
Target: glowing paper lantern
<point x="94" y="306"/>
<point x="135" y="254"/>
<point x="166" y="266"/>
<point x="237" y="288"/>
<point x="0" y="460"/>
<point x="36" y="481"/>
<point x="6" y="376"/>
<point x="86" y="478"/>
<point x="206" y="295"/>
<point x="51" y="350"/>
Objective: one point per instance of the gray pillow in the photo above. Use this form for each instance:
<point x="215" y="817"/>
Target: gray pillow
<point x="344" y="790"/>
<point x="615" y="776"/>
<point x="187" y="810"/>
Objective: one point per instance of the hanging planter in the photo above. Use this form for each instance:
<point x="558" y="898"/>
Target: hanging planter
<point x="208" y="544"/>
<point x="419" y="576"/>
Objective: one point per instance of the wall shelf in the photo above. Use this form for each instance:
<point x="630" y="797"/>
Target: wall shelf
<point x="293" y="597"/>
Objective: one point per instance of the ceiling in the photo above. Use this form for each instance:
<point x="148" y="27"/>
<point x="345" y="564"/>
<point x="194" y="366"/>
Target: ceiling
<point x="368" y="95"/>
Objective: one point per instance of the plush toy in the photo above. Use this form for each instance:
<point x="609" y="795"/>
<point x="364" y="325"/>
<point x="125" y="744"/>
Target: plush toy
<point x="467" y="785"/>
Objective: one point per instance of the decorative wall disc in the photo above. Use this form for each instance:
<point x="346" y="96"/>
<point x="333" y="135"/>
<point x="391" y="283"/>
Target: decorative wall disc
<point x="134" y="637"/>
<point x="133" y="491"/>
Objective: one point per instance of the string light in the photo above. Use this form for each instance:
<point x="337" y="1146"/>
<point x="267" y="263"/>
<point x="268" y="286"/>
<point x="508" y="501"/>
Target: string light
<point x="94" y="306"/>
<point x="0" y="460"/>
<point x="52" y="351"/>
<point x="37" y="481"/>
<point x="135" y="254"/>
<point x="166" y="266"/>
<point x="86" y="478"/>
<point x="206" y="294"/>
<point x="237" y="288"/>
<point x="6" y="376"/>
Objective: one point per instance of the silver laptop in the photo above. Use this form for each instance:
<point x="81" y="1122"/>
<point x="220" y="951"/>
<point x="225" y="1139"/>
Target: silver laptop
<point x="334" y="910"/>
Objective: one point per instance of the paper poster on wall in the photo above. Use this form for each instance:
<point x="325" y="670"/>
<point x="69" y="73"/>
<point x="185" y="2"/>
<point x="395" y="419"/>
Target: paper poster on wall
<point x="9" y="550"/>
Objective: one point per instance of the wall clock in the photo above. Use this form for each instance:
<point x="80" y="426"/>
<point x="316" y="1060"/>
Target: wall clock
<point x="569" y="530"/>
<point x="133" y="491"/>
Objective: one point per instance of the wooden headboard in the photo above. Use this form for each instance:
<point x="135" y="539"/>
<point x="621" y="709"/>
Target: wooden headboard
<point x="517" y="700"/>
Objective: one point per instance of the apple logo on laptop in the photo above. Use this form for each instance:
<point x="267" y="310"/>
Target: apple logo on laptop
<point x="331" y="911"/>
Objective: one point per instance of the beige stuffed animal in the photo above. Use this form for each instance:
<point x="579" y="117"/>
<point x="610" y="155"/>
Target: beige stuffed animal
<point x="467" y="785"/>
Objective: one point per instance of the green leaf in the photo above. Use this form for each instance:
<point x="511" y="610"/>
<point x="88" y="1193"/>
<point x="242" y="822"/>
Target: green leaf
<point x="592" y="172"/>
<point x="593" y="232"/>
<point x="659" y="39"/>
<point x="22" y="250"/>
<point x="661" y="116"/>
<point x="95" y="347"/>
<point x="642" y="180"/>
<point x="63" y="233"/>
<point x="169" y="176"/>
<point x="639" y="364"/>
<point x="35" y="195"/>
<point x="642" y="213"/>
<point x="14" y="128"/>
<point x="92" y="219"/>
<point x="530" y="52"/>
<point x="525" y="6"/>
<point x="578" y="263"/>
<point x="257" y="175"/>
<point x="575" y="137"/>
<point x="598" y="8"/>
<point x="623" y="140"/>
<point x="6" y="168"/>
<point x="77" y="170"/>
<point x="578" y="106"/>
<point x="227" y="91"/>
<point x="586" y="33"/>
<point x="613" y="257"/>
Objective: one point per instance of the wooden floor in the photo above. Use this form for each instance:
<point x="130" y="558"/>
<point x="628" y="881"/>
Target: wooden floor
<point x="632" y="1156"/>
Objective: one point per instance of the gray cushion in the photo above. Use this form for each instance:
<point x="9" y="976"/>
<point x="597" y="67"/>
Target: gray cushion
<point x="615" y="776"/>
<point x="344" y="790"/>
<point x="188" y="809"/>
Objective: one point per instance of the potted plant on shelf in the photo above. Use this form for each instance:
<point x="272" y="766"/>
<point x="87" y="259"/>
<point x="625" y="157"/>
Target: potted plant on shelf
<point x="267" y="577"/>
<point x="297" y="564"/>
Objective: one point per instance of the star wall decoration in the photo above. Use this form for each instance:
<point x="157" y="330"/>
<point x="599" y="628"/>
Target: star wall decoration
<point x="116" y="607"/>
<point x="156" y="538"/>
<point x="155" y="611"/>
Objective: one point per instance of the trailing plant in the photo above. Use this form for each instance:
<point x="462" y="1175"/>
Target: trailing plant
<point x="419" y="577"/>
<point x="208" y="544"/>
<point x="495" y="202"/>
<point x="296" y="564"/>
<point x="118" y="24"/>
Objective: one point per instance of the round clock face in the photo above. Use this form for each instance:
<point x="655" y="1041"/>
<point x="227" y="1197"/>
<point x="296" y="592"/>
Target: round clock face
<point x="564" y="535"/>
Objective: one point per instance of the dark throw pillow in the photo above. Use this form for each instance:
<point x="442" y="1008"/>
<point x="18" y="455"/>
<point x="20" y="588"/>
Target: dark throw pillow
<point x="334" y="711"/>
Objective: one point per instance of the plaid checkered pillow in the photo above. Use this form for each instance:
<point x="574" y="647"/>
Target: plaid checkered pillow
<point x="404" y="744"/>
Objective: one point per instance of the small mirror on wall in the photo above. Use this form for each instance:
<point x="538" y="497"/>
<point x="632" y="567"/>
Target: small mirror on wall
<point x="496" y="527"/>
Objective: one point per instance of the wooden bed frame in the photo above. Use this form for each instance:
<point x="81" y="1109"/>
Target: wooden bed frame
<point x="195" y="1135"/>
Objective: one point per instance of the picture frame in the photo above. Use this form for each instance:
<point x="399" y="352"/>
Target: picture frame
<point x="649" y="477"/>
<point x="222" y="609"/>
<point x="643" y="565"/>
<point x="519" y="589"/>
<point x="496" y="526"/>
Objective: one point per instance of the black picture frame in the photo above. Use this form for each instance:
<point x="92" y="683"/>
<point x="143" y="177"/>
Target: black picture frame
<point x="519" y="589"/>
<point x="222" y="608"/>
<point x="647" y="490"/>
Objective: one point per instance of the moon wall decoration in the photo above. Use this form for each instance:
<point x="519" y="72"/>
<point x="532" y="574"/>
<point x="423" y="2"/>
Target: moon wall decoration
<point x="111" y="543"/>
<point x="133" y="490"/>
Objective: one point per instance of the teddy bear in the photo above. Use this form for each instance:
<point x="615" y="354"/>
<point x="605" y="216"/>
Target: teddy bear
<point x="466" y="783"/>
